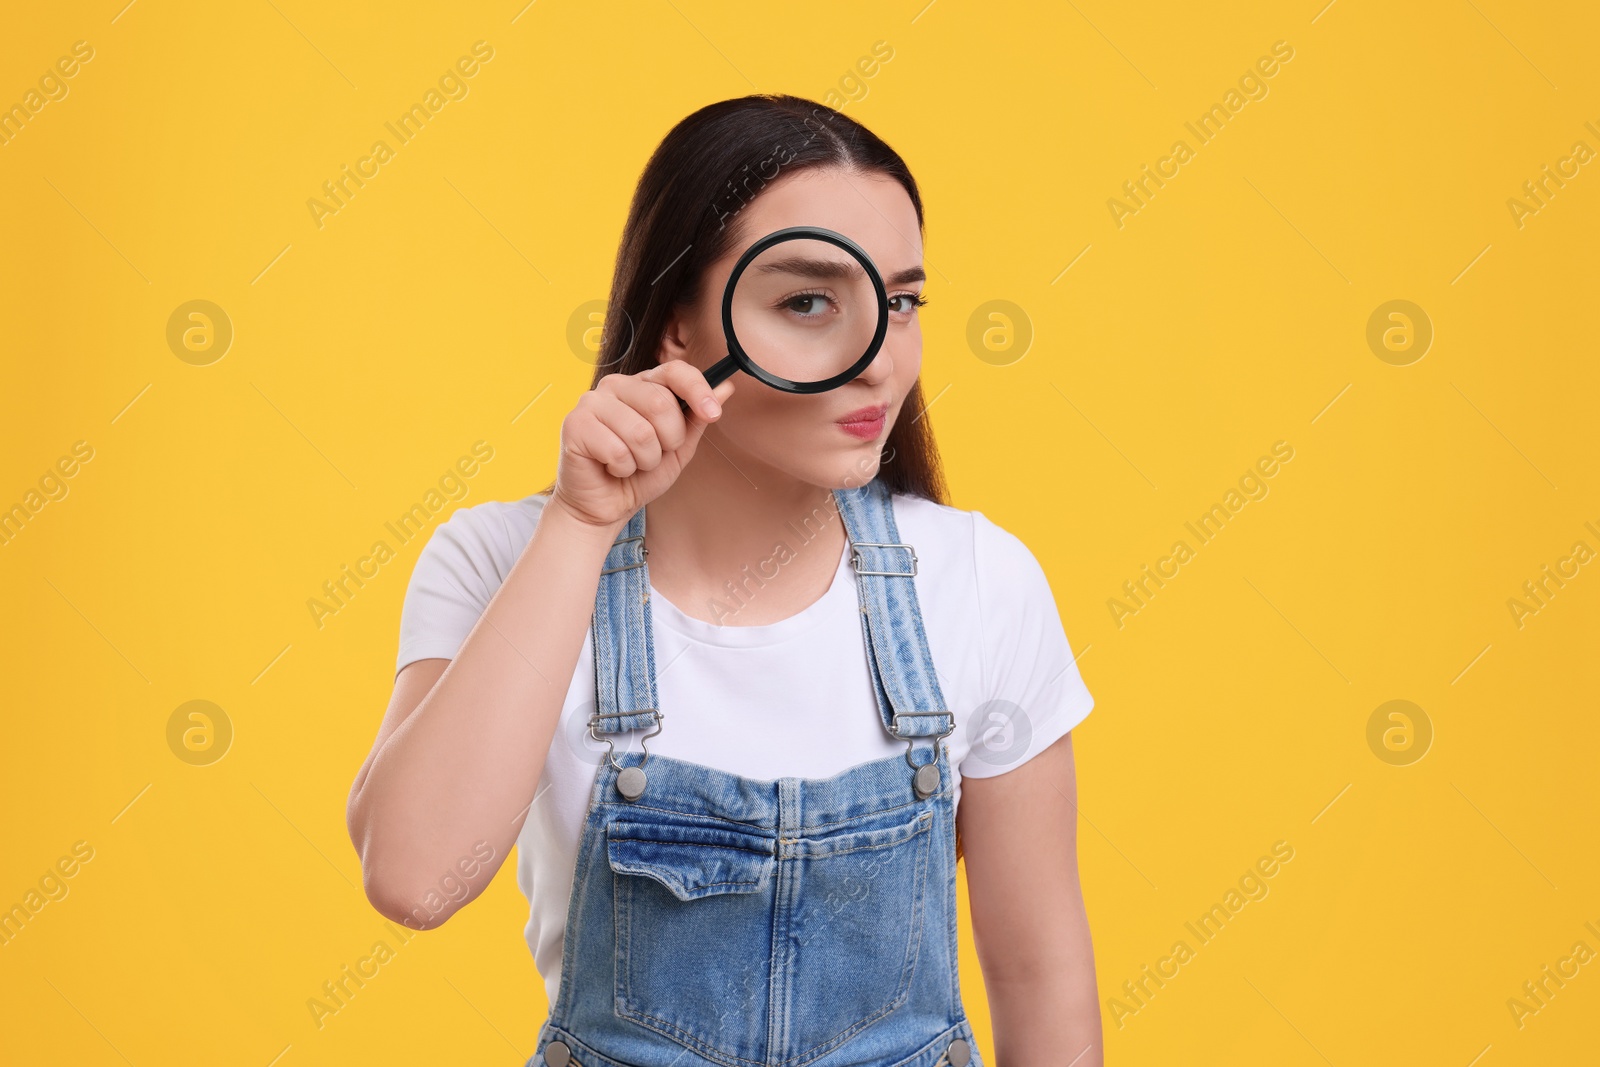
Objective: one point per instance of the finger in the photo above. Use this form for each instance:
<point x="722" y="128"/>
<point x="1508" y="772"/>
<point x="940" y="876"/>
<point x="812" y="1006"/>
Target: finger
<point x="720" y="394"/>
<point x="684" y="379"/>
<point x="628" y="423"/>
<point x="594" y="440"/>
<point x="698" y="417"/>
<point x="657" y="403"/>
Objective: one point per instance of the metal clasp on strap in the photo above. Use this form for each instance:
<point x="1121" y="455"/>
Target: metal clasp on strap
<point x="912" y="739"/>
<point x="643" y="552"/>
<point x="855" y="557"/>
<point x="897" y="716"/>
<point x="594" y="720"/>
<point x="925" y="776"/>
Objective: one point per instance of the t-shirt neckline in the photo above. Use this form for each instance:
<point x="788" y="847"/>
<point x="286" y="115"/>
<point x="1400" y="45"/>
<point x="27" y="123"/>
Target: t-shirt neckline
<point x="732" y="635"/>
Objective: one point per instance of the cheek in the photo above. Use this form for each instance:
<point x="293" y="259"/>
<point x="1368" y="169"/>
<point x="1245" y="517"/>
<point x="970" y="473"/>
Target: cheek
<point x="709" y="343"/>
<point x="758" y="415"/>
<point x="908" y="353"/>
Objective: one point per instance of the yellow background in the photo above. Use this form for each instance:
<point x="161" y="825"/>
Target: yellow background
<point x="1230" y="312"/>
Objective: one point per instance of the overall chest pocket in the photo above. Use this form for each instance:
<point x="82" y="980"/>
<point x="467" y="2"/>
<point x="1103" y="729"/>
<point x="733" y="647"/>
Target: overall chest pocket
<point x="712" y="926"/>
<point x="693" y="916"/>
<point x="854" y="927"/>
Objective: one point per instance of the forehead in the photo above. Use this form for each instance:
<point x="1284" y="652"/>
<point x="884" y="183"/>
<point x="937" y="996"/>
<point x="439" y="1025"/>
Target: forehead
<point x="872" y="210"/>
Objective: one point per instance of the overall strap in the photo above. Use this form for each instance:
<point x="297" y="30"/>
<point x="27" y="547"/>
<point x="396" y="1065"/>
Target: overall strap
<point x="905" y="686"/>
<point x="624" y="652"/>
<point x="907" y="690"/>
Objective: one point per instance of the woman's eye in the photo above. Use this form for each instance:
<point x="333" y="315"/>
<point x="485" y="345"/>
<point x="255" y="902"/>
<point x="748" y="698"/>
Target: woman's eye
<point x="807" y="304"/>
<point x="905" y="303"/>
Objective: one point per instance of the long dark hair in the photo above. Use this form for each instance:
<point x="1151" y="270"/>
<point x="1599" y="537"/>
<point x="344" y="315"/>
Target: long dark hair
<point x="684" y="216"/>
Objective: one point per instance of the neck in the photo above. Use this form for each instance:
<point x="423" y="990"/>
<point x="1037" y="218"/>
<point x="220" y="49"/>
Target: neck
<point x="731" y="519"/>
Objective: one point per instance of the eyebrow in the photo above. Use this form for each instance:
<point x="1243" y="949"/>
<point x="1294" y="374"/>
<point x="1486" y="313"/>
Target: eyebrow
<point x="907" y="276"/>
<point x="807" y="267"/>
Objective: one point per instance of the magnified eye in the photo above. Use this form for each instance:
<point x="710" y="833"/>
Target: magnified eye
<point x="808" y="305"/>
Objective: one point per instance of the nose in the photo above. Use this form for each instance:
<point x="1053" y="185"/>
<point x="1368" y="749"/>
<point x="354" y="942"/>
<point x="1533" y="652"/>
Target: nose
<point x="880" y="369"/>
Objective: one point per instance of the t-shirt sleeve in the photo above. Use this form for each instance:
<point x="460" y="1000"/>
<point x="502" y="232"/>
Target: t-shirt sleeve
<point x="455" y="577"/>
<point x="1034" y="693"/>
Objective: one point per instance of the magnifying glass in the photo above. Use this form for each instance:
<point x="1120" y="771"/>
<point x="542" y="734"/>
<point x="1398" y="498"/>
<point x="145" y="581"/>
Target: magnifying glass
<point x="805" y="310"/>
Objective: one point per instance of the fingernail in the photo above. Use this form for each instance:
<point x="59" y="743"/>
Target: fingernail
<point x="710" y="406"/>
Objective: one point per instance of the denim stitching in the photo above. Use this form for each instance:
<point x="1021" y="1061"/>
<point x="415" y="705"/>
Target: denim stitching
<point x="696" y="844"/>
<point x="693" y="814"/>
<point x="879" y="811"/>
<point x="922" y="828"/>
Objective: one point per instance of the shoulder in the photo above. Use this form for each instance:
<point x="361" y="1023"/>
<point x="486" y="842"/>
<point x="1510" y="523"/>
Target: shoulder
<point x="478" y="544"/>
<point x="997" y="559"/>
<point x="938" y="525"/>
<point x="495" y="524"/>
<point x="1010" y="671"/>
<point x="460" y="568"/>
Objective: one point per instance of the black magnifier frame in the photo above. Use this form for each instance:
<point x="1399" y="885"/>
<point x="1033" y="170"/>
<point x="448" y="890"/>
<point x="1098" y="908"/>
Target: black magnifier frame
<point x="738" y="359"/>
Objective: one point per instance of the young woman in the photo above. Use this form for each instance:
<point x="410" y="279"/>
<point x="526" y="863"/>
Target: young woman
<point x="740" y="774"/>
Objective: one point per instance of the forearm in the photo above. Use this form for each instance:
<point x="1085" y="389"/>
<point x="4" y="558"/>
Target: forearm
<point x="1046" y="1011"/>
<point x="463" y="767"/>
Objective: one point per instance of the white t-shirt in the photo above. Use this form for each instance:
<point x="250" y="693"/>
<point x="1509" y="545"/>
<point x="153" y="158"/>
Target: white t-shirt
<point x="752" y="699"/>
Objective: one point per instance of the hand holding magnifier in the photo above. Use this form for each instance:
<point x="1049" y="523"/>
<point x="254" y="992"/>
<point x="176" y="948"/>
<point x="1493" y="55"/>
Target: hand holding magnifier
<point x="805" y="310"/>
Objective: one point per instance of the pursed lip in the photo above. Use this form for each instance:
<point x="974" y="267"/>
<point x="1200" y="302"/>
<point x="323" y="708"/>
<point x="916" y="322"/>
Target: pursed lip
<point x="868" y="414"/>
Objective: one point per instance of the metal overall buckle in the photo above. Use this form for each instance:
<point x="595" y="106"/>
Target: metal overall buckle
<point x="644" y="551"/>
<point x="855" y="557"/>
<point x="630" y="780"/>
<point x="926" y="780"/>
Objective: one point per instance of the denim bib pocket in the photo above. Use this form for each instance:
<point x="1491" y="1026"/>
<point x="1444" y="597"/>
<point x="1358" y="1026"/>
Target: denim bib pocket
<point x="855" y="928"/>
<point x="692" y="909"/>
<point x="700" y="909"/>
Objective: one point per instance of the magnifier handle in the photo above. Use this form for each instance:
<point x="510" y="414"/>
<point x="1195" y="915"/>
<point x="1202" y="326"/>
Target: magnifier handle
<point x="719" y="372"/>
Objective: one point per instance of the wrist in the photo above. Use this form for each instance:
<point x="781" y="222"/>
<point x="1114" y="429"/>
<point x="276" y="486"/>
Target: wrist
<point x="558" y="515"/>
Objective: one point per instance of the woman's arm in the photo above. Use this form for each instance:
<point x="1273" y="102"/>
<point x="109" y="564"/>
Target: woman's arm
<point x="444" y="792"/>
<point x="438" y="803"/>
<point x="1019" y="836"/>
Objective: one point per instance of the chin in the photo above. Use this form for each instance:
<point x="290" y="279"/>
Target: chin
<point x="860" y="466"/>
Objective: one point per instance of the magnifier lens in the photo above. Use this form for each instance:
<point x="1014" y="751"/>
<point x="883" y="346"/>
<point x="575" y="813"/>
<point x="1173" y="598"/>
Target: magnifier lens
<point x="804" y="310"/>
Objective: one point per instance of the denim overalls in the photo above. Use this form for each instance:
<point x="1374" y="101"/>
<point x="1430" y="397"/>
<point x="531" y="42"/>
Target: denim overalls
<point x="787" y="922"/>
